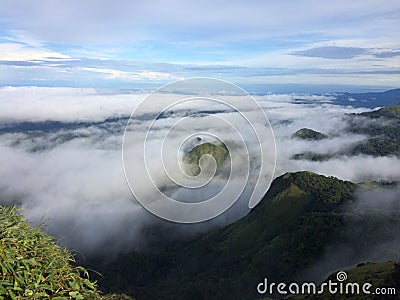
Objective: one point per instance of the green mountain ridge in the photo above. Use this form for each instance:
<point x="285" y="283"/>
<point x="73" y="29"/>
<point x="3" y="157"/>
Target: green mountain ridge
<point x="382" y="128"/>
<point x="383" y="131"/>
<point x="391" y="112"/>
<point x="286" y="232"/>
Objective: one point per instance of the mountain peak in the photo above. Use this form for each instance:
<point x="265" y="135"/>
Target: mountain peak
<point x="309" y="134"/>
<point x="321" y="193"/>
<point x="299" y="209"/>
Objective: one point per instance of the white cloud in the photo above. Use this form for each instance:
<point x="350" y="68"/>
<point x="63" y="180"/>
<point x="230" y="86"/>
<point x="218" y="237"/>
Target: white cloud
<point x="19" y="52"/>
<point x="63" y="104"/>
<point x="132" y="76"/>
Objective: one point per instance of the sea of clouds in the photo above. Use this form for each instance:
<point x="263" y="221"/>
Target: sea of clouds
<point x="73" y="179"/>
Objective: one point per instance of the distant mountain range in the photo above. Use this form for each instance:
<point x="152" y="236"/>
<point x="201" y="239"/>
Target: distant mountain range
<point x="368" y="100"/>
<point x="53" y="126"/>
<point x="371" y="99"/>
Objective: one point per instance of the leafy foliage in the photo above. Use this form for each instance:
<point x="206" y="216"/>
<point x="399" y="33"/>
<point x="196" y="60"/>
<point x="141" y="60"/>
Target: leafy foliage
<point x="33" y="266"/>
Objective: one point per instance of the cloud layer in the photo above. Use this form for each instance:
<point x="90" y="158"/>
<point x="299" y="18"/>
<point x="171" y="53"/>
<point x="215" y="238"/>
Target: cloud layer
<point x="75" y="175"/>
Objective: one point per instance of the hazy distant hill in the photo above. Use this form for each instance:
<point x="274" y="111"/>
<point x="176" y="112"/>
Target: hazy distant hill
<point x="309" y="134"/>
<point x="371" y="99"/>
<point x="391" y="112"/>
<point x="381" y="127"/>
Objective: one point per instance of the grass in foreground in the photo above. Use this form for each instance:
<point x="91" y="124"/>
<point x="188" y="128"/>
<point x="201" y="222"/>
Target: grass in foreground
<point x="33" y="266"/>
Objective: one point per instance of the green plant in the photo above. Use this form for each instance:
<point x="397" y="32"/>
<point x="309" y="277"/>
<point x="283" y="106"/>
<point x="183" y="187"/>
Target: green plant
<point x="33" y="266"/>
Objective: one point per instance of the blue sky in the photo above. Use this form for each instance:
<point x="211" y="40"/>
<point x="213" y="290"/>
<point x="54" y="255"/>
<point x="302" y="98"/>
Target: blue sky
<point x="130" y="44"/>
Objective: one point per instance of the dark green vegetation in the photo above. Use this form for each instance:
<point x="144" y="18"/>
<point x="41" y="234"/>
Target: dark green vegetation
<point x="382" y="128"/>
<point x="285" y="233"/>
<point x="379" y="275"/>
<point x="312" y="156"/>
<point x="42" y="136"/>
<point x="192" y="158"/>
<point x="391" y="112"/>
<point x="309" y="134"/>
<point x="53" y="126"/>
<point x="33" y="266"/>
